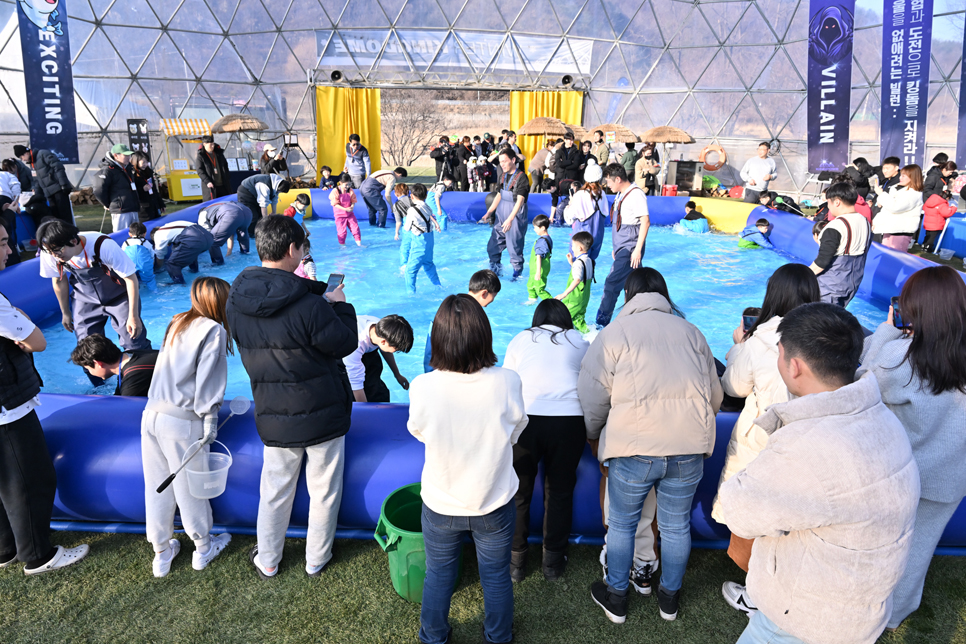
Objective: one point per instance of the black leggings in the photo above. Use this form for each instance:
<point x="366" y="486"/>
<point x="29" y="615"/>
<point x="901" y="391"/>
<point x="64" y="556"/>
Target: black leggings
<point x="559" y="442"/>
<point x="929" y="243"/>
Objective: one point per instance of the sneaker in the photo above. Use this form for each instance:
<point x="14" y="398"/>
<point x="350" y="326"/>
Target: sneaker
<point x="263" y="572"/>
<point x="8" y="561"/>
<point x="737" y="597"/>
<point x="62" y="558"/>
<point x="217" y="543"/>
<point x="667" y="602"/>
<point x="615" y="606"/>
<point x="162" y="564"/>
<point x="640" y="577"/>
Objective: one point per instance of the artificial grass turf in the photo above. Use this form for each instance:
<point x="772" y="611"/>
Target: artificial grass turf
<point x="112" y="597"/>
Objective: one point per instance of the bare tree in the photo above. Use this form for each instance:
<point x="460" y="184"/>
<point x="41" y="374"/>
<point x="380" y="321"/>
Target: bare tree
<point x="411" y="119"/>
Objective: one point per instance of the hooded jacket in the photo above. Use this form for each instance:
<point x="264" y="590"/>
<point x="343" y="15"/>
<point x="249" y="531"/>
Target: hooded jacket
<point x="51" y="175"/>
<point x="831" y="503"/>
<point x="648" y="384"/>
<point x="752" y="374"/>
<point x="112" y="187"/>
<point x="292" y="342"/>
<point x="936" y="211"/>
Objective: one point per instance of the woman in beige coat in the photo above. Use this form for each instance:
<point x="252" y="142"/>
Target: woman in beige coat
<point x="752" y="374"/>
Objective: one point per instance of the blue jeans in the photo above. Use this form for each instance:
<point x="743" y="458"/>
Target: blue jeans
<point x="761" y="630"/>
<point x="493" y="535"/>
<point x="613" y="285"/>
<point x="629" y="480"/>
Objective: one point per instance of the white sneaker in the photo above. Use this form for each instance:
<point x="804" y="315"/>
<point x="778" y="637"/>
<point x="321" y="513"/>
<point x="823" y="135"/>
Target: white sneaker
<point x="263" y="572"/>
<point x="737" y="597"/>
<point x="63" y="558"/>
<point x="217" y="543"/>
<point x="162" y="565"/>
<point x="315" y="571"/>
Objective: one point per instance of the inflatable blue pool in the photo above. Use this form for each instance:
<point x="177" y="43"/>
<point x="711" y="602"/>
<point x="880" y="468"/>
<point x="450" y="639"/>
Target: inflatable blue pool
<point x="95" y="440"/>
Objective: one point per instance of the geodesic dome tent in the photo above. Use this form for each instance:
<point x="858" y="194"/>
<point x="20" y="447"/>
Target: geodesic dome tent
<point x="732" y="72"/>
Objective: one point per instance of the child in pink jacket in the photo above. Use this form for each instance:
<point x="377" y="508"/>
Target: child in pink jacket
<point x="343" y="200"/>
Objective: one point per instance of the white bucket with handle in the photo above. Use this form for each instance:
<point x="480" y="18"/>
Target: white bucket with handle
<point x="208" y="473"/>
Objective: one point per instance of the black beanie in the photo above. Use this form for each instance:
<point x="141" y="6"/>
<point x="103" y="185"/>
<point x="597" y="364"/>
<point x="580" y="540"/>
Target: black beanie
<point x="19" y="151"/>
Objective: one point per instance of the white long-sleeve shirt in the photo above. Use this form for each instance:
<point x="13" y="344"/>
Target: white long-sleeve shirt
<point x="9" y="186"/>
<point x="548" y="369"/>
<point x="757" y="168"/>
<point x="191" y="373"/>
<point x="167" y="234"/>
<point x="353" y="361"/>
<point x="469" y="424"/>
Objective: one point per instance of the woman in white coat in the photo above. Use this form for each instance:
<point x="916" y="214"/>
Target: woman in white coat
<point x="752" y="374"/>
<point x="900" y="210"/>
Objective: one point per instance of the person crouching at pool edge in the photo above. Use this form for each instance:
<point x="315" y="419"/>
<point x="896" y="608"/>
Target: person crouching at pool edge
<point x="102" y="359"/>
<point x="377" y="336"/>
<point x="104" y="279"/>
<point x="141" y="252"/>
<point x="484" y="286"/>
<point x="756" y="236"/>
<point x="577" y="295"/>
<point x="540" y="261"/>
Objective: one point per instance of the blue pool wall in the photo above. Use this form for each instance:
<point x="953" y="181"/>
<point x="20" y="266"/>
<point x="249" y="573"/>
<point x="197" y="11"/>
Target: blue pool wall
<point x="95" y="440"/>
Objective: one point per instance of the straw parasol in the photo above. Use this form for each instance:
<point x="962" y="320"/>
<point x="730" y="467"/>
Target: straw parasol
<point x="666" y="134"/>
<point x="543" y="126"/>
<point x="579" y="132"/>
<point x="621" y="134"/>
<point x="238" y="123"/>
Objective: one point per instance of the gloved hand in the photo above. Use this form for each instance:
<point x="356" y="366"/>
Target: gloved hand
<point x="211" y="429"/>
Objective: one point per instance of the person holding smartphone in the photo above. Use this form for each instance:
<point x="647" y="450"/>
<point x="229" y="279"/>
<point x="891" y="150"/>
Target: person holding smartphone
<point x="752" y="374"/>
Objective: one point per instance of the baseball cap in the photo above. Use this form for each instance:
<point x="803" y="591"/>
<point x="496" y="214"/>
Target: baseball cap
<point x="120" y="148"/>
<point x="269" y="148"/>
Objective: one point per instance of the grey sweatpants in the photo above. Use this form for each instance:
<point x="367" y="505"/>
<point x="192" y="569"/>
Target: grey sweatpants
<point x="280" y="474"/>
<point x="931" y="520"/>
<point x="164" y="441"/>
<point x="121" y="220"/>
<point x="644" y="538"/>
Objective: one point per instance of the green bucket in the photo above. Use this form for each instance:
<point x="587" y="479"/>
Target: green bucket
<point x="399" y="533"/>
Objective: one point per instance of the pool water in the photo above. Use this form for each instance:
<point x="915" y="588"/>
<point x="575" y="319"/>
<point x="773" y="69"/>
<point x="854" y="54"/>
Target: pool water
<point x="708" y="277"/>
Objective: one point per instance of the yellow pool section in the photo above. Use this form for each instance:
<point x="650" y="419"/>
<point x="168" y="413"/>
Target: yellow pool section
<point x="725" y="215"/>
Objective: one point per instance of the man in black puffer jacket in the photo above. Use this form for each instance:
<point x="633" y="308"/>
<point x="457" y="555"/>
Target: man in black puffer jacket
<point x="50" y="180"/>
<point x="292" y="338"/>
<point x="114" y="187"/>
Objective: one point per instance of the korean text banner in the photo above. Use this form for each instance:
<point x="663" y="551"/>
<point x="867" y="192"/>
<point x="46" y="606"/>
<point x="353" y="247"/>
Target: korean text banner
<point x="906" y="44"/>
<point x="453" y="52"/>
<point x="47" y="76"/>
<point x="830" y="32"/>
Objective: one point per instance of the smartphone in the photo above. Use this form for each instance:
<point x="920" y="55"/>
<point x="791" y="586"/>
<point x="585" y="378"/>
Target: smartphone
<point x="897" y="321"/>
<point x="874" y="181"/>
<point x="333" y="282"/>
<point x="748" y="321"/>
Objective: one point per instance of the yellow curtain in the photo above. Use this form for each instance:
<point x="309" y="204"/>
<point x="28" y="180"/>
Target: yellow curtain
<point x="339" y="112"/>
<point x="566" y="106"/>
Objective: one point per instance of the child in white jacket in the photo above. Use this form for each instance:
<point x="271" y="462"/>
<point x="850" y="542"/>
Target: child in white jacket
<point x="183" y="402"/>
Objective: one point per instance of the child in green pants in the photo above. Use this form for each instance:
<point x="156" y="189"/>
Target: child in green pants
<point x="577" y="295"/>
<point x="540" y="261"/>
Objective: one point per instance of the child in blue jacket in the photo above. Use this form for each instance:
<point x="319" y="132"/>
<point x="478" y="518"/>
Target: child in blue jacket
<point x="756" y="236"/>
<point x="141" y="252"/>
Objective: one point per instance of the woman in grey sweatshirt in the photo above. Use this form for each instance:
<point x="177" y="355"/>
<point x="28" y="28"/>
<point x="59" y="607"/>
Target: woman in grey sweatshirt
<point x="919" y="359"/>
<point x="183" y="402"/>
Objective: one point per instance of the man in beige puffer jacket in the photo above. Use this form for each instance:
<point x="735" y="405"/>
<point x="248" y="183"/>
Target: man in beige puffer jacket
<point x="649" y="391"/>
<point x="831" y="500"/>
